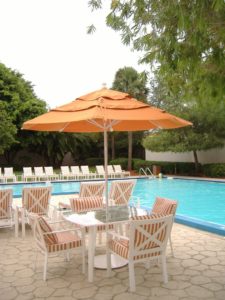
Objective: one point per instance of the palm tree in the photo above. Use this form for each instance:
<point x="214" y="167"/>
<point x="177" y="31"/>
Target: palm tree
<point x="128" y="80"/>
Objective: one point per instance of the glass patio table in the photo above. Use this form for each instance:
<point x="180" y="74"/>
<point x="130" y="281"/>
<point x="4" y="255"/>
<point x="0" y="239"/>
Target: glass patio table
<point x="116" y="215"/>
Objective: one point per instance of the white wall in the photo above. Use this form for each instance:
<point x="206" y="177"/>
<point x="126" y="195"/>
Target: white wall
<point x="210" y="156"/>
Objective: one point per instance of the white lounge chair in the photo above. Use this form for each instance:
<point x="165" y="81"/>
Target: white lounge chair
<point x="66" y="173"/>
<point x="100" y="171"/>
<point x="87" y="173"/>
<point x="118" y="170"/>
<point x="9" y="174"/>
<point x="148" y="236"/>
<point x="28" y="174"/>
<point x="7" y="217"/>
<point x="40" y="174"/>
<point x="51" y="175"/>
<point x="50" y="240"/>
<point x="111" y="172"/>
<point x="75" y="170"/>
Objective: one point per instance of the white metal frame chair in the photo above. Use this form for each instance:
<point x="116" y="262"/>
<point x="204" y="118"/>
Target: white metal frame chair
<point x="9" y="174"/>
<point x="28" y="174"/>
<point x="111" y="172"/>
<point x="92" y="189"/>
<point x="34" y="200"/>
<point x="51" y="175"/>
<point x="148" y="236"/>
<point x="119" y="171"/>
<point x="7" y="216"/>
<point x="50" y="240"/>
<point x="40" y="174"/>
<point x="166" y="207"/>
<point x="121" y="191"/>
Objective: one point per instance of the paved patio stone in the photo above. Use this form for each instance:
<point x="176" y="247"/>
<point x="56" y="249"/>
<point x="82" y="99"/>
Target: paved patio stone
<point x="196" y="272"/>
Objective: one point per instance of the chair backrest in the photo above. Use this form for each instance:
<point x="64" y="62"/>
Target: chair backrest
<point x="49" y="170"/>
<point x="6" y="203"/>
<point x="100" y="170"/>
<point x="92" y="189"/>
<point x="27" y="171"/>
<point x="149" y="235"/>
<point x="110" y="169"/>
<point x="121" y="191"/>
<point x="75" y="170"/>
<point x="86" y="204"/>
<point x="85" y="170"/>
<point x="36" y="199"/>
<point x="164" y="206"/>
<point x="65" y="170"/>
<point x="118" y="168"/>
<point x="39" y="171"/>
<point x="8" y="171"/>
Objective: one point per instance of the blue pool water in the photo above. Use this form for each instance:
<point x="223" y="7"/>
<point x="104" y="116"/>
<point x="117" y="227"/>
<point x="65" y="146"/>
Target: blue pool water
<point x="202" y="200"/>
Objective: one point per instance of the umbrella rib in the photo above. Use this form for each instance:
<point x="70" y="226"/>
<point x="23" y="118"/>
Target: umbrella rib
<point x="109" y="125"/>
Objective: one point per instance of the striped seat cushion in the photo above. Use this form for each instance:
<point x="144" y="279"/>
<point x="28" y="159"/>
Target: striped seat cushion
<point x="86" y="204"/>
<point x="65" y="241"/>
<point x="164" y="206"/>
<point x="50" y="238"/>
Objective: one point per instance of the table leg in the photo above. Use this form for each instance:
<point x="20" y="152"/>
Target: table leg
<point x="91" y="251"/>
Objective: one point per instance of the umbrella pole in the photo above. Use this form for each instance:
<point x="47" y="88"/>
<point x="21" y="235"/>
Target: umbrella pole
<point x="106" y="169"/>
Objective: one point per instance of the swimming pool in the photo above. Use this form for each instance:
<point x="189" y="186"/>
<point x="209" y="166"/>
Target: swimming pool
<point x="200" y="202"/>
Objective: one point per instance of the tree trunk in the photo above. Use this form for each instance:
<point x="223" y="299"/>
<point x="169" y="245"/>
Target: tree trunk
<point x="196" y="161"/>
<point x="130" y="137"/>
<point x="113" y="145"/>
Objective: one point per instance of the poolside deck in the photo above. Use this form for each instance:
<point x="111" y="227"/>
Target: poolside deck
<point x="196" y="272"/>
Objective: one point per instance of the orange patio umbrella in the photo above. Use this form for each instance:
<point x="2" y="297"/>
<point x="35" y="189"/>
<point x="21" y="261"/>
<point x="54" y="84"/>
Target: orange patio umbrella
<point x="102" y="111"/>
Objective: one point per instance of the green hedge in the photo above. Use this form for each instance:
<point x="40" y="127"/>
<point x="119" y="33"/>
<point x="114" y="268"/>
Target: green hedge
<point x="214" y="170"/>
<point x="120" y="161"/>
<point x="94" y="161"/>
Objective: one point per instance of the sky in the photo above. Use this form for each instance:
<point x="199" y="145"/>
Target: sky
<point x="47" y="42"/>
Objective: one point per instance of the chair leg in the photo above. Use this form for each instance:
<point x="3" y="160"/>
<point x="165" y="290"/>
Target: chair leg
<point x="23" y="223"/>
<point x="164" y="269"/>
<point x="16" y="220"/>
<point x="131" y="276"/>
<point x="45" y="267"/>
<point x="171" y="246"/>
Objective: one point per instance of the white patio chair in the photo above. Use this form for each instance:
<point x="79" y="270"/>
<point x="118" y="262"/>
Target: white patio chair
<point x="34" y="200"/>
<point x="7" y="217"/>
<point x="166" y="207"/>
<point x="50" y="240"/>
<point x="9" y="174"/>
<point x="40" y="174"/>
<point x="66" y="173"/>
<point x="28" y="174"/>
<point x="147" y="241"/>
<point x="120" y="192"/>
<point x="51" y="175"/>
<point x="87" y="173"/>
<point x="100" y="171"/>
<point x="118" y="170"/>
<point x="75" y="170"/>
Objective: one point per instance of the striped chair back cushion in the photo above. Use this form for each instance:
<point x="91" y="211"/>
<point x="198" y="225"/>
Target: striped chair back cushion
<point x="89" y="189"/>
<point x="121" y="191"/>
<point x="164" y="206"/>
<point x="5" y="203"/>
<point x="36" y="199"/>
<point x="141" y="232"/>
<point x="50" y="238"/>
<point x="86" y="204"/>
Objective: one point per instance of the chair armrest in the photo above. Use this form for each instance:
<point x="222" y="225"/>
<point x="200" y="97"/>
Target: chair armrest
<point x="115" y="235"/>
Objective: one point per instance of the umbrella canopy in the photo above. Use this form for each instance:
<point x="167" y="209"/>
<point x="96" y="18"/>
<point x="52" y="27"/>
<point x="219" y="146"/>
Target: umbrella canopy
<point x="104" y="109"/>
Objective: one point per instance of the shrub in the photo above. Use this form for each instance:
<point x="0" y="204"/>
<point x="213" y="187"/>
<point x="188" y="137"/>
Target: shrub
<point x="94" y="161"/>
<point x="120" y="161"/>
<point x="214" y="170"/>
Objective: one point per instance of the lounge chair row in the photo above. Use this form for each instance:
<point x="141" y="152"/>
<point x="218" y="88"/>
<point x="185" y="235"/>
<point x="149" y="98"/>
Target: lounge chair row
<point x="73" y="172"/>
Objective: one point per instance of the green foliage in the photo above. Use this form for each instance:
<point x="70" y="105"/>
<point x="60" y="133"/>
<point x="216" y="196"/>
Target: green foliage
<point x="120" y="161"/>
<point x="94" y="161"/>
<point x="214" y="170"/>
